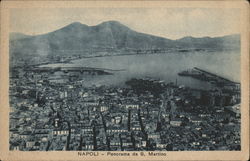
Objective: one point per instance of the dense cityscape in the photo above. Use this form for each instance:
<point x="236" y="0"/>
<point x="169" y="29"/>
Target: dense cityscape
<point x="55" y="114"/>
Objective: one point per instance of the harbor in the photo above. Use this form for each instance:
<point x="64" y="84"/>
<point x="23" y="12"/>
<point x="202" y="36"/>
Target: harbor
<point x="204" y="75"/>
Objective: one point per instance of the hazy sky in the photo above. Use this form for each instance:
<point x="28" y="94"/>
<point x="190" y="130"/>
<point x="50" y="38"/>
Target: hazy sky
<point x="166" y="22"/>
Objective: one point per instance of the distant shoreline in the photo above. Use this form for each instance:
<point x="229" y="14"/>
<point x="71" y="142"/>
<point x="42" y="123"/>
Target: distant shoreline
<point x="101" y="56"/>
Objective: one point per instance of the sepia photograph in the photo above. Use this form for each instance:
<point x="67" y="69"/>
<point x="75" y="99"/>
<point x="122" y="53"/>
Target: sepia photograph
<point x="120" y="80"/>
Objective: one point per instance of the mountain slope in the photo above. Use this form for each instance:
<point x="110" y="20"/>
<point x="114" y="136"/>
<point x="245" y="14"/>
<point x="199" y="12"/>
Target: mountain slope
<point x="107" y="35"/>
<point x="228" y="42"/>
<point x="18" y="36"/>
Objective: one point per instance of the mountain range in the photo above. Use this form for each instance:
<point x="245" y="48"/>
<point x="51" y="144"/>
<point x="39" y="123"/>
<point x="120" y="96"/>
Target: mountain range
<point x="109" y="35"/>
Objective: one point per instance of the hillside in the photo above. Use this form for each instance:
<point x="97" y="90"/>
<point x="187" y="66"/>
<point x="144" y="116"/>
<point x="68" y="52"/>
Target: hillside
<point x="112" y="35"/>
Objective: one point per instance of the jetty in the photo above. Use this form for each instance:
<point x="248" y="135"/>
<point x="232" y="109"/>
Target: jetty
<point x="84" y="70"/>
<point x="204" y="75"/>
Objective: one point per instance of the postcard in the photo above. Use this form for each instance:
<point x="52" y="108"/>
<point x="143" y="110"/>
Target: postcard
<point x="124" y="80"/>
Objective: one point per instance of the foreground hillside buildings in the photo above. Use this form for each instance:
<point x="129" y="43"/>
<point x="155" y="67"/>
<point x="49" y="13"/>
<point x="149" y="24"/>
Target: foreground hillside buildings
<point x="146" y="114"/>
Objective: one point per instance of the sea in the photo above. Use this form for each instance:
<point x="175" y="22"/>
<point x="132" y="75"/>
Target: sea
<point x="162" y="66"/>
